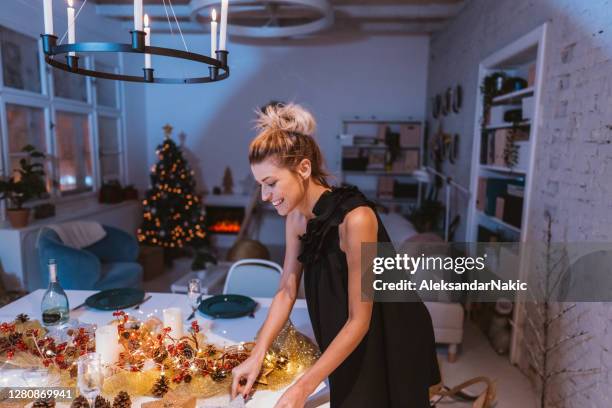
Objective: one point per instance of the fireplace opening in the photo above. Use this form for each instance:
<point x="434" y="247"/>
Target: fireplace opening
<point x="223" y="219"/>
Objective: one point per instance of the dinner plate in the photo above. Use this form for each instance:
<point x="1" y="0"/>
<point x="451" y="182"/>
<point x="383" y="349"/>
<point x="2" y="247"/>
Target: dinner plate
<point x="227" y="306"/>
<point x="114" y="299"/>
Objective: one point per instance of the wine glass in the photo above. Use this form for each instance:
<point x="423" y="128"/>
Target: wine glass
<point x="194" y="293"/>
<point x="90" y="376"/>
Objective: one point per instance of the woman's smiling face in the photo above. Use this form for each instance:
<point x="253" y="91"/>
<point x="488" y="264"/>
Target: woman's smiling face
<point x="279" y="186"/>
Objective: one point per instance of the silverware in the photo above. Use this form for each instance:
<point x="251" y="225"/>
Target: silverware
<point x="143" y="301"/>
<point x="192" y="315"/>
<point x="77" y="307"/>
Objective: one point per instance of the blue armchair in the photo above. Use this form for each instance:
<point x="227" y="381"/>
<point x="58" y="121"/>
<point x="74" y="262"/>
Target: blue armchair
<point x="109" y="263"/>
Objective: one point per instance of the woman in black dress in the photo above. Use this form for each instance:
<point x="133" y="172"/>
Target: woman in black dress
<point x="375" y="354"/>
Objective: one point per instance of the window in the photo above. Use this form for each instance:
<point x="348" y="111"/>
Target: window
<point x="20" y="64"/>
<point x="110" y="151"/>
<point x="26" y="125"/>
<point x="55" y="113"/>
<point x="69" y="86"/>
<point x="73" y="152"/>
<point x="106" y="89"/>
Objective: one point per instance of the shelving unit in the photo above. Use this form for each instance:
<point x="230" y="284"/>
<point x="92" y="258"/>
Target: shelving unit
<point x="513" y="60"/>
<point x="367" y="180"/>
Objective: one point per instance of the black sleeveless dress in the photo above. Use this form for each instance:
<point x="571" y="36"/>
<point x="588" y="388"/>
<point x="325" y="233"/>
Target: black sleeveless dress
<point x="395" y="363"/>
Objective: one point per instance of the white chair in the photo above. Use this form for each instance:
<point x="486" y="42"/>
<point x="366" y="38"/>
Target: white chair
<point x="253" y="277"/>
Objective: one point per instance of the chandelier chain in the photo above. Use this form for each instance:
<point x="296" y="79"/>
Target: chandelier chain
<point x="178" y="26"/>
<point x="74" y="22"/>
<point x="168" y="17"/>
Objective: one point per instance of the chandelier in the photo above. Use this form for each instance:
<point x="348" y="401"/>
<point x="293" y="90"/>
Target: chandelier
<point x="140" y="44"/>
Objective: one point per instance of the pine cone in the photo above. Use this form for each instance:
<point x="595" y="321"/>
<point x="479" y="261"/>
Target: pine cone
<point x="101" y="402"/>
<point x="44" y="403"/>
<point x="80" y="402"/>
<point x="122" y="400"/>
<point x="188" y="351"/>
<point x="160" y="387"/>
<point x="22" y="318"/>
<point x="14" y="338"/>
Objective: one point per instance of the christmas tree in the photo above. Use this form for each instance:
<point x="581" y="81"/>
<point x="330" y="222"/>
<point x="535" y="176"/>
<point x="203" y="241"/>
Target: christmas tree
<point x="172" y="213"/>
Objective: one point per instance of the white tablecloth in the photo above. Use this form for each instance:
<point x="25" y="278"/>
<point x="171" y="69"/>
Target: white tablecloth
<point x="218" y="331"/>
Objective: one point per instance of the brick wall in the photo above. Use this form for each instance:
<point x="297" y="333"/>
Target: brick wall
<point x="573" y="175"/>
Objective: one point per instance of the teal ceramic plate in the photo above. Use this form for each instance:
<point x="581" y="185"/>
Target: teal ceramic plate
<point x="227" y="306"/>
<point x="114" y="299"/>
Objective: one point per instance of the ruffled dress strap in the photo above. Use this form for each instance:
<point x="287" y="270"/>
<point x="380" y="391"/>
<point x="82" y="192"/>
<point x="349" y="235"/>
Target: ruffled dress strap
<point x="330" y="210"/>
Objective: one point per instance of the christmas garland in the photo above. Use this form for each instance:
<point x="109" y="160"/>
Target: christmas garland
<point x="153" y="363"/>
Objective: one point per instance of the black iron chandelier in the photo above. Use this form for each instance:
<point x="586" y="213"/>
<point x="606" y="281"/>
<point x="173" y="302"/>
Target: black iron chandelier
<point x="140" y="44"/>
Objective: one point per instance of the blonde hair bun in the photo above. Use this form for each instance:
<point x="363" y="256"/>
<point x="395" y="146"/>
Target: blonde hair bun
<point x="290" y="118"/>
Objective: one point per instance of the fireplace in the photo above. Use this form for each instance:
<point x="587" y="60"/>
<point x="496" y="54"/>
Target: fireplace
<point x="223" y="219"/>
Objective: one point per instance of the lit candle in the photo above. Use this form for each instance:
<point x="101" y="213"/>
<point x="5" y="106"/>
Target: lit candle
<point x="71" y="27"/>
<point x="138" y="15"/>
<point x="48" y="7"/>
<point x="223" y="34"/>
<point x="107" y="344"/>
<point x="174" y="320"/>
<point x="213" y="34"/>
<point x="147" y="30"/>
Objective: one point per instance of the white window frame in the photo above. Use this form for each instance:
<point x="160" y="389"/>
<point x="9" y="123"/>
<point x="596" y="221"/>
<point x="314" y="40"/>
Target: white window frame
<point x="50" y="104"/>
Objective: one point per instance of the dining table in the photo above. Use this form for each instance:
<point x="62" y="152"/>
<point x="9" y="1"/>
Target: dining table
<point x="221" y="332"/>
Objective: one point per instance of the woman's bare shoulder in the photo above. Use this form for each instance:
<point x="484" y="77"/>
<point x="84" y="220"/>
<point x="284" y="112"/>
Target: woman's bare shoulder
<point x="362" y="216"/>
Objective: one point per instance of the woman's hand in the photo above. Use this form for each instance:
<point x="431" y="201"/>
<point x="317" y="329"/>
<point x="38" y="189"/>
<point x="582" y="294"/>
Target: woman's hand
<point x="294" y="397"/>
<point x="245" y="374"/>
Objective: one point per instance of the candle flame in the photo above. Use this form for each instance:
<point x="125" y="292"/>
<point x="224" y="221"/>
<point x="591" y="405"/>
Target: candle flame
<point x="70" y="3"/>
<point x="146" y="20"/>
<point x="214" y="15"/>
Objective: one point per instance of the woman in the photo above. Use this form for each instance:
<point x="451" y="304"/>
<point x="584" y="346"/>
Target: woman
<point x="375" y="354"/>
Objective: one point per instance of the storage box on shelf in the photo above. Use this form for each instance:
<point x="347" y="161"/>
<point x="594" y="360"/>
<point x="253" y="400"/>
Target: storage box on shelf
<point x="379" y="156"/>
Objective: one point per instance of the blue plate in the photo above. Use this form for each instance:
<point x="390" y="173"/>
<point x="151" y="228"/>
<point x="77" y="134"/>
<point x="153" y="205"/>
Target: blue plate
<point x="114" y="299"/>
<point x="227" y="306"/>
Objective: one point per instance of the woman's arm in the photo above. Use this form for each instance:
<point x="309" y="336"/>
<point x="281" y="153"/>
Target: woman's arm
<point x="282" y="303"/>
<point x="360" y="225"/>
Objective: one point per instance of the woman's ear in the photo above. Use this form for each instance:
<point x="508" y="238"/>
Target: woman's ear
<point x="304" y="169"/>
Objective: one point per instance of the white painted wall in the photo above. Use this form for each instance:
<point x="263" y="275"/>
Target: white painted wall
<point x="383" y="76"/>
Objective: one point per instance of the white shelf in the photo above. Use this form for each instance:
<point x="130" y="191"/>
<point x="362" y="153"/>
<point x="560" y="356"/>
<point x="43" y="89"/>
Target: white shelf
<point x="499" y="222"/>
<point x="508" y="126"/>
<point x="502" y="169"/>
<point x="522" y="93"/>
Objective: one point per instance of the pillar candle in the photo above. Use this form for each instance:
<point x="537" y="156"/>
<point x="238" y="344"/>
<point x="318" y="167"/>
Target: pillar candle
<point x="48" y="9"/>
<point x="147" y="30"/>
<point x="174" y="320"/>
<point x="223" y="34"/>
<point x="138" y="15"/>
<point x="213" y="34"/>
<point x="107" y="344"/>
<point x="71" y="26"/>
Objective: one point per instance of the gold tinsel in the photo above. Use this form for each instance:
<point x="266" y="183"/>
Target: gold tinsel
<point x="145" y="357"/>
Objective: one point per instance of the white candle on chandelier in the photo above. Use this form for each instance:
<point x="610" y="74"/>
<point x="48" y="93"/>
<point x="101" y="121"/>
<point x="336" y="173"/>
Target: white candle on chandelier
<point x="48" y="8"/>
<point x="71" y="25"/>
<point x="138" y="15"/>
<point x="213" y="34"/>
<point x="147" y="30"/>
<point x="223" y="34"/>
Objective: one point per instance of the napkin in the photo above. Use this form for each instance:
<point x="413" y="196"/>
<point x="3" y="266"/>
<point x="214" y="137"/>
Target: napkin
<point x="238" y="402"/>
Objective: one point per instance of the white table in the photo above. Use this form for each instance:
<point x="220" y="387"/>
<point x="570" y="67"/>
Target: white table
<point x="218" y="331"/>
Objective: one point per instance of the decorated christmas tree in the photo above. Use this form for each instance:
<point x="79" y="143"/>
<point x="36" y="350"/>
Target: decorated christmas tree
<point x="172" y="213"/>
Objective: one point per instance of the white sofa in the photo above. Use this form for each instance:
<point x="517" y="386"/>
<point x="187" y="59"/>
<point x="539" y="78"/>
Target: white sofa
<point x="447" y="317"/>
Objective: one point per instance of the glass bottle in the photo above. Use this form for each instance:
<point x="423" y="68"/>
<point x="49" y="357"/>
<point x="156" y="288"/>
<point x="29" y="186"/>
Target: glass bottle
<point x="54" y="306"/>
